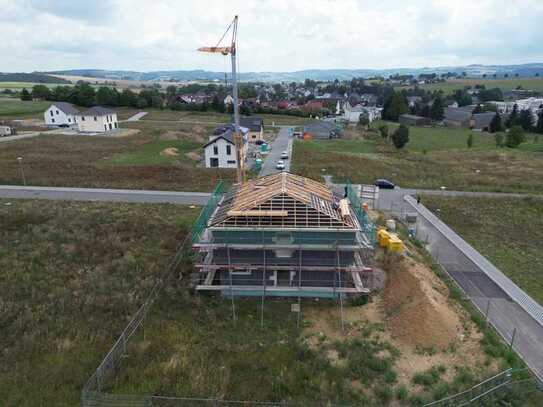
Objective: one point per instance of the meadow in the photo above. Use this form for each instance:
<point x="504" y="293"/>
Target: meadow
<point x="165" y="156"/>
<point x="505" y="85"/>
<point x="14" y="108"/>
<point x="434" y="157"/>
<point x="507" y="231"/>
<point x="73" y="275"/>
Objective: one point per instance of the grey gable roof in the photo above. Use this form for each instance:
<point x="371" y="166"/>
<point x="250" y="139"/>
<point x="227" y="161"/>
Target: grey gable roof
<point x="97" y="111"/>
<point x="252" y="123"/>
<point x="482" y="120"/>
<point x="66" y="107"/>
<point x="457" y="114"/>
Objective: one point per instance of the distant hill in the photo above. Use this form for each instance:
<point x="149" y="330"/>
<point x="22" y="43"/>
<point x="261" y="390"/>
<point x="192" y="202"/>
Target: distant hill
<point x="30" y="77"/>
<point x="472" y="71"/>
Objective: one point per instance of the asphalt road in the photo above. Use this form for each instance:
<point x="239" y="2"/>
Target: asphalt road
<point x="97" y="194"/>
<point x="283" y="142"/>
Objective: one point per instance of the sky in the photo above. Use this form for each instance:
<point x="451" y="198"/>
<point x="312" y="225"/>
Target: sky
<point x="274" y="35"/>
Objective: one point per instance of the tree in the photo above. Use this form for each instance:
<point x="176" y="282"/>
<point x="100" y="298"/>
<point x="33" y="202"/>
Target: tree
<point x="514" y="137"/>
<point x="128" y="98"/>
<point x="383" y="130"/>
<point x="41" y="92"/>
<point x="107" y="96"/>
<point x="394" y="106"/>
<point x="25" y="95"/>
<point x="526" y="120"/>
<point x="486" y="95"/>
<point x="400" y="137"/>
<point x="495" y="124"/>
<point x="477" y="109"/>
<point x="498" y="137"/>
<point x="513" y="119"/>
<point x="83" y="95"/>
<point x="436" y="110"/>
<point x="469" y="141"/>
<point x="539" y="126"/>
<point x="363" y="120"/>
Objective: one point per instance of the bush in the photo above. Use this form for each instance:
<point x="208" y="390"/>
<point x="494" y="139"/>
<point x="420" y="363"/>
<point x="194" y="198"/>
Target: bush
<point x="469" y="141"/>
<point x="515" y="137"/>
<point x="384" y="394"/>
<point x="401" y="136"/>
<point x="402" y="393"/>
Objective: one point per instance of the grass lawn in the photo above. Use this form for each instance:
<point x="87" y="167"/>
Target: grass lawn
<point x="434" y="157"/>
<point x="136" y="161"/>
<point x="16" y="108"/>
<point x="509" y="232"/>
<point x="73" y="275"/>
<point x="504" y="84"/>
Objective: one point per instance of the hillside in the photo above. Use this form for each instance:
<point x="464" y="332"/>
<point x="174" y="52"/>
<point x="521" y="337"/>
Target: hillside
<point x="524" y="70"/>
<point x="31" y="78"/>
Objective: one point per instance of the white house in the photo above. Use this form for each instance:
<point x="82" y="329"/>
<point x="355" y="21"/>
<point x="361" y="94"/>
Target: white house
<point x="60" y="114"/>
<point x="97" y="119"/>
<point x="353" y="113"/>
<point x="220" y="151"/>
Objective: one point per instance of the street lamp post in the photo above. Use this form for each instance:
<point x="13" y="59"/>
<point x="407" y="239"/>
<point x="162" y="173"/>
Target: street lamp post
<point x="20" y="159"/>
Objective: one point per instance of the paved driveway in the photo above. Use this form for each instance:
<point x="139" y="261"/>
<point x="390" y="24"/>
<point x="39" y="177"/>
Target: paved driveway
<point x="29" y="135"/>
<point x="283" y="142"/>
<point x="135" y="117"/>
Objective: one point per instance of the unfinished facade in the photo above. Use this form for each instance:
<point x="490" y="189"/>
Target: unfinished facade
<point x="283" y="235"/>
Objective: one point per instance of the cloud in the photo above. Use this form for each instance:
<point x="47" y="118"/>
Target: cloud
<point x="274" y="35"/>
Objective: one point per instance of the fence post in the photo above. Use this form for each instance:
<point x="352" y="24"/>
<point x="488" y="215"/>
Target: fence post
<point x="487" y="311"/>
<point x="513" y="338"/>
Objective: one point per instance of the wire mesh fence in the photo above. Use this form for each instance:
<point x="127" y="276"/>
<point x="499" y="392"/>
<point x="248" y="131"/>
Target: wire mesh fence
<point x="368" y="227"/>
<point x="201" y="223"/>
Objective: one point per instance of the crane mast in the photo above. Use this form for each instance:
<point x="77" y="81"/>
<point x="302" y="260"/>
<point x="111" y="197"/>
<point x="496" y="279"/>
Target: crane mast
<point x="238" y="139"/>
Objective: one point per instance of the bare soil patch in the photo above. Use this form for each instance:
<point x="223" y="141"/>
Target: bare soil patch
<point x="170" y="152"/>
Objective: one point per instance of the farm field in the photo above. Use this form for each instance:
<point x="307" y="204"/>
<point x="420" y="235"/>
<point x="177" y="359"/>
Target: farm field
<point x="73" y="275"/>
<point x="192" y="348"/>
<point x="27" y="85"/>
<point x="448" y="87"/>
<point x="15" y="108"/>
<point x="508" y="232"/>
<point x="433" y="158"/>
<point x="157" y="157"/>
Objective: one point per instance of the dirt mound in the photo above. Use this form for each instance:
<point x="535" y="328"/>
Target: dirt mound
<point x="416" y="307"/>
<point x="170" y="152"/>
<point x="193" y="156"/>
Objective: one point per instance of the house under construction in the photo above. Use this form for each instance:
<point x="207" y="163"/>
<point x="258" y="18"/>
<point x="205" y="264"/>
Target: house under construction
<point x="284" y="235"/>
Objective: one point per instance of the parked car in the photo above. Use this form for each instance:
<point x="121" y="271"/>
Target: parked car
<point x="284" y="155"/>
<point x="384" y="184"/>
<point x="259" y="142"/>
<point x="280" y="165"/>
<point x="64" y="125"/>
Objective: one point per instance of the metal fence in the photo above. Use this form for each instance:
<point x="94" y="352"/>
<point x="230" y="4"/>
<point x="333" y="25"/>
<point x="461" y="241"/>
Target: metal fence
<point x="92" y="391"/>
<point x="201" y="223"/>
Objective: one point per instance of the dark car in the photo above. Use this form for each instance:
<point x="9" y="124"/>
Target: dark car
<point x="64" y="125"/>
<point x="384" y="184"/>
<point x="259" y="142"/>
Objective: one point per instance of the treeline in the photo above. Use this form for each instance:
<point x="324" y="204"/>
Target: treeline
<point x="85" y="95"/>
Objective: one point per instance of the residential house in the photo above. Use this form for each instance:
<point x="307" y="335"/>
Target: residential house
<point x="319" y="129"/>
<point x="368" y="99"/>
<point x="255" y="126"/>
<point x="97" y="119"/>
<point x="313" y="106"/>
<point x="352" y="113"/>
<point x="284" y="235"/>
<point x="220" y="151"/>
<point x="413" y="120"/>
<point x="60" y="114"/>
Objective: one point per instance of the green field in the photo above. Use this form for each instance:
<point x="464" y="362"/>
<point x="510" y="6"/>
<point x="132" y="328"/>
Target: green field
<point x="509" y="232"/>
<point x="137" y="161"/>
<point x="214" y="117"/>
<point x="449" y="87"/>
<point x="15" y="108"/>
<point x="434" y="157"/>
<point x="73" y="275"/>
<point x="27" y="85"/>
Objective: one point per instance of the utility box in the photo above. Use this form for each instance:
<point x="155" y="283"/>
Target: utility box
<point x="395" y="244"/>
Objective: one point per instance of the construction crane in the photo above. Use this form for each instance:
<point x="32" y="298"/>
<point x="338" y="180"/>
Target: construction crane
<point x="238" y="141"/>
